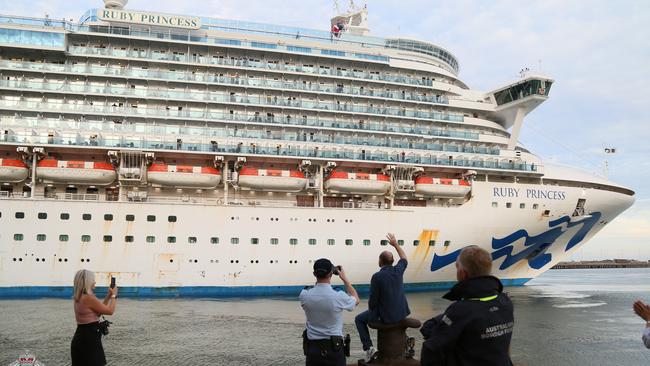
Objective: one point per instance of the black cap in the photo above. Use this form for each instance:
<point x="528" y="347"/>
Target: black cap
<point x="323" y="266"/>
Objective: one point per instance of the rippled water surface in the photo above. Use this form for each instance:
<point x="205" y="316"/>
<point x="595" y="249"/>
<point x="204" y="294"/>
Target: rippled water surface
<point x="565" y="317"/>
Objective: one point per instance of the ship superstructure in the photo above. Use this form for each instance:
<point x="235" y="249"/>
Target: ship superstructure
<point x="201" y="156"/>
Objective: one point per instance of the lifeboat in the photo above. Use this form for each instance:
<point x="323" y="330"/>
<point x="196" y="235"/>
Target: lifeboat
<point x="272" y="179"/>
<point x="442" y="187"/>
<point x="13" y="171"/>
<point x="75" y="172"/>
<point x="186" y="176"/>
<point x="358" y="183"/>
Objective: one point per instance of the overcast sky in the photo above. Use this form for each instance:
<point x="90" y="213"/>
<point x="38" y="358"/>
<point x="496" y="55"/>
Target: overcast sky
<point x="597" y="51"/>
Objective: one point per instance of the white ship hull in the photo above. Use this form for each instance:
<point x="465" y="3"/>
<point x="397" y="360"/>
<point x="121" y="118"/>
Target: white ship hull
<point x="203" y="268"/>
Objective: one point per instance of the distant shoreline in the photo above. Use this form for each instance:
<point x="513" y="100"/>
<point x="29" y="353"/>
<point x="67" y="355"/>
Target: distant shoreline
<point x="609" y="263"/>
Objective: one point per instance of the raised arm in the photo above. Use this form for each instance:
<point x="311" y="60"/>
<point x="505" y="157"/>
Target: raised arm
<point x="102" y="308"/>
<point x="393" y="242"/>
<point x="348" y="286"/>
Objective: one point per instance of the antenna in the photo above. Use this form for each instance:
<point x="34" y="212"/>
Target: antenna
<point x="607" y="150"/>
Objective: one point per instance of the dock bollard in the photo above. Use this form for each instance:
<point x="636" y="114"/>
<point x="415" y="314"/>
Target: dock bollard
<point x="392" y="344"/>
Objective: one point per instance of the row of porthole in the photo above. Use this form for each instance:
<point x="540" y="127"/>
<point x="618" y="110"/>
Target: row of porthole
<point x="43" y="259"/>
<point x="88" y="217"/>
<point x="234" y="261"/>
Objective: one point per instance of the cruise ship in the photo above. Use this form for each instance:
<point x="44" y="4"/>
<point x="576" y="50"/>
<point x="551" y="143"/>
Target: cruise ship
<point x="196" y="156"/>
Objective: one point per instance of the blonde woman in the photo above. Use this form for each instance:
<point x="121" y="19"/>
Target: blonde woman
<point x="86" y="348"/>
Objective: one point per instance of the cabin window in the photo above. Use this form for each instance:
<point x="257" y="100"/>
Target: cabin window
<point x="171" y="239"/>
<point x="366" y="242"/>
<point x="293" y="241"/>
<point x="151" y="218"/>
<point x="85" y="238"/>
<point x="128" y="238"/>
<point x="447" y="243"/>
<point x="383" y="242"/>
<point x="274" y="241"/>
<point x="432" y="243"/>
<point x="191" y="240"/>
<point x="86" y="217"/>
<point x="42" y="215"/>
<point x="20" y="215"/>
<point x="234" y="240"/>
<point x="108" y="217"/>
<point x="349" y="242"/>
<point x="151" y="239"/>
<point x="171" y="218"/>
<point x="63" y="237"/>
<point x="508" y="204"/>
<point x="535" y="206"/>
<point x="130" y="217"/>
<point x="214" y="240"/>
<point x="255" y="241"/>
<point x="400" y="242"/>
<point x="18" y="237"/>
<point x="40" y="237"/>
<point x="65" y="216"/>
<point x="107" y="238"/>
<point x="331" y="241"/>
<point x="416" y="243"/>
<point x="312" y="241"/>
<point x="495" y="204"/>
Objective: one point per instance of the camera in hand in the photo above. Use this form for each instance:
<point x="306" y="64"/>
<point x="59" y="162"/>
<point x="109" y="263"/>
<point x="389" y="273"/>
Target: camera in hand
<point x="336" y="270"/>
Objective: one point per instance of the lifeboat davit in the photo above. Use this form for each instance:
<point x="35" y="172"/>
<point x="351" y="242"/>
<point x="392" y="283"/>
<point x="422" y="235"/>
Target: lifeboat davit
<point x="13" y="171"/>
<point x="185" y="176"/>
<point x="358" y="183"/>
<point x="442" y="187"/>
<point x="272" y="179"/>
<point x="75" y="172"/>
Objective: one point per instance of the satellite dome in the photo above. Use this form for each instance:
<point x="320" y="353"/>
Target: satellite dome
<point x="115" y="4"/>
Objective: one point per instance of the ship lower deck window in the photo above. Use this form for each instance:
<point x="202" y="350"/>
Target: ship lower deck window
<point x="547" y="213"/>
<point x="293" y="241"/>
<point x="331" y="241"/>
<point x="349" y="242"/>
<point x="508" y="204"/>
<point x="274" y="241"/>
<point x="366" y="242"/>
<point x="128" y="238"/>
<point x="214" y="240"/>
<point x="65" y="216"/>
<point x="383" y="242"/>
<point x="495" y="204"/>
<point x="42" y="215"/>
<point x="107" y="238"/>
<point x="522" y="205"/>
<point x="171" y="239"/>
<point x="447" y="243"/>
<point x="151" y="218"/>
<point x="312" y="242"/>
<point x="151" y="239"/>
<point x="40" y="237"/>
<point x="18" y="237"/>
<point x="191" y="240"/>
<point x="86" y="217"/>
<point x="400" y="242"/>
<point x="85" y="238"/>
<point x="255" y="241"/>
<point x="63" y="237"/>
<point x="130" y="217"/>
<point x="416" y="243"/>
<point x="432" y="243"/>
<point x="234" y="240"/>
<point x="20" y="215"/>
<point x="171" y="218"/>
<point x="535" y="206"/>
<point x="108" y="217"/>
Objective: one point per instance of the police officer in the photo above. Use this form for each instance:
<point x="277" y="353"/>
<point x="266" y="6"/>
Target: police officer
<point x="323" y="342"/>
<point x="476" y="329"/>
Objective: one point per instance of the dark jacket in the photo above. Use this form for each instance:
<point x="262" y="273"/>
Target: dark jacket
<point x="475" y="330"/>
<point x="387" y="301"/>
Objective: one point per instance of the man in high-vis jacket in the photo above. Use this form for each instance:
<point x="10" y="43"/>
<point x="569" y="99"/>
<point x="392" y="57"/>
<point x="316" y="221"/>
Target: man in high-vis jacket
<point x="476" y="329"/>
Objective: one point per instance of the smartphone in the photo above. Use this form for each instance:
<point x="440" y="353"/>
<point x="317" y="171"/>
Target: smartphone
<point x="112" y="282"/>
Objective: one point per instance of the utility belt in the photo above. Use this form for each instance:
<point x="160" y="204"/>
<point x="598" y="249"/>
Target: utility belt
<point x="335" y="343"/>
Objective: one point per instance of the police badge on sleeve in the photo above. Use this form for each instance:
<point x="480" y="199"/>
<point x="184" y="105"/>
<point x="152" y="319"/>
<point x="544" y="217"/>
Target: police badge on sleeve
<point x="27" y="359"/>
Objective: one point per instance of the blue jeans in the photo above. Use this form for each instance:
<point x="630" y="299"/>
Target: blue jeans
<point x="361" y="322"/>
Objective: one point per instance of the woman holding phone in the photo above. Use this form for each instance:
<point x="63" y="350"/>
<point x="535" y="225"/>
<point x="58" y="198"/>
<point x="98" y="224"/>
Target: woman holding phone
<point x="86" y="348"/>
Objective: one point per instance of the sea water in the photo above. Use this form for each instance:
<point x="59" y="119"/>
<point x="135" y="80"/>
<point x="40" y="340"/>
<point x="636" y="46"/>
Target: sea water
<point x="564" y="317"/>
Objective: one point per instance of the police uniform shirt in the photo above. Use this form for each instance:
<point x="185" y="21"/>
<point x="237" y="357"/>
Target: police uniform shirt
<point x="323" y="306"/>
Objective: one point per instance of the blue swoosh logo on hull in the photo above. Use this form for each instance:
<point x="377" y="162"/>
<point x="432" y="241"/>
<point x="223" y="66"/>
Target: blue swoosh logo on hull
<point x="535" y="247"/>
